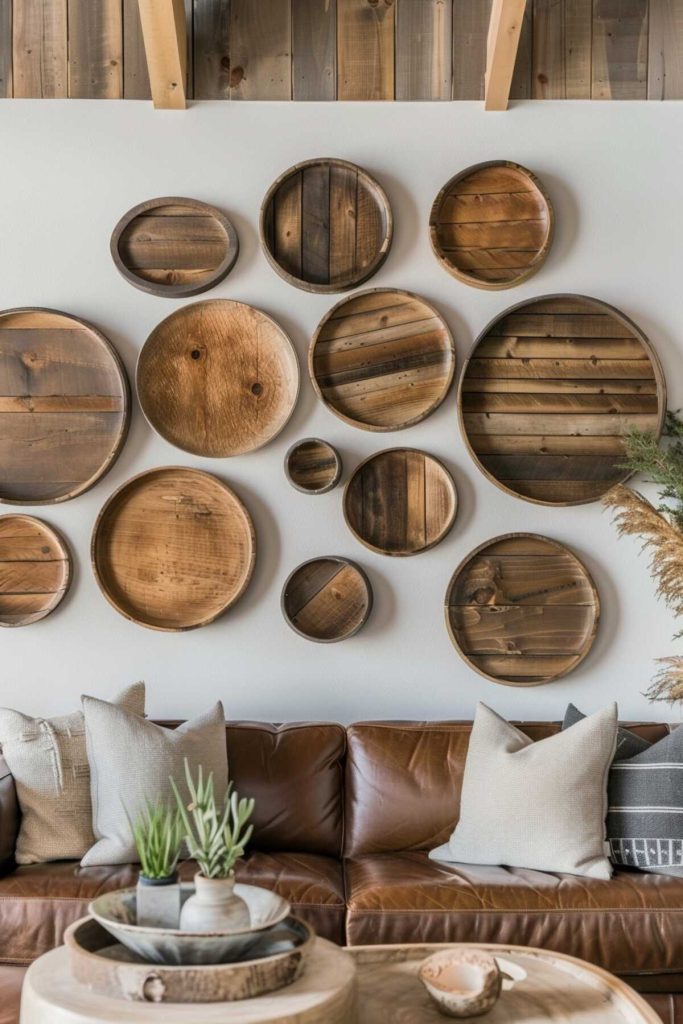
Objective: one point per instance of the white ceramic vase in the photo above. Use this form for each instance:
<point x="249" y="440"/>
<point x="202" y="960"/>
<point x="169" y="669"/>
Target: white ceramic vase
<point x="214" y="907"/>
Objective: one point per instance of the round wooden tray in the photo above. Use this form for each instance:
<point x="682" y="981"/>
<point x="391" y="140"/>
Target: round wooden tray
<point x="382" y="360"/>
<point x="327" y="599"/>
<point x="549" y="392"/>
<point x="492" y="225"/>
<point x="400" y="501"/>
<point x="522" y="610"/>
<point x="326" y="225"/>
<point x="174" y="247"/>
<point x="64" y="406"/>
<point x="35" y="570"/>
<point x="218" y="378"/>
<point x="173" y="548"/>
<point x="313" y="466"/>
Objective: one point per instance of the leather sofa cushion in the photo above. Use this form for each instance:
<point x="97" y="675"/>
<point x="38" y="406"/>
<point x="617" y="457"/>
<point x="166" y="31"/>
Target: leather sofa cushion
<point x="11" y="979"/>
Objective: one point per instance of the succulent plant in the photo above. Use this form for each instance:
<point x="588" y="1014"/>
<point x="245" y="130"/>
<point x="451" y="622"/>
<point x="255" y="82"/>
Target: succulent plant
<point x="158" y="834"/>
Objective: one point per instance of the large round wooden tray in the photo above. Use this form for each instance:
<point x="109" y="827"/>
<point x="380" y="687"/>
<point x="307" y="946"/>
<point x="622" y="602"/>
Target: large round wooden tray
<point x="522" y="610"/>
<point x="218" y="378"/>
<point x="549" y="392"/>
<point x="174" y="247"/>
<point x="64" y="406"/>
<point x="491" y="226"/>
<point x="382" y="359"/>
<point x="313" y="466"/>
<point x="326" y="225"/>
<point x="327" y="599"/>
<point x="173" y="548"/>
<point x="35" y="570"/>
<point x="400" y="501"/>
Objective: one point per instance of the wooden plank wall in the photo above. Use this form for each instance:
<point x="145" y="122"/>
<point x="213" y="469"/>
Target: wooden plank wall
<point x="346" y="49"/>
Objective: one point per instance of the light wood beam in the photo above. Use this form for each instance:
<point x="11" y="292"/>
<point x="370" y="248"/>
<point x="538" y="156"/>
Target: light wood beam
<point x="164" y="32"/>
<point x="505" y="29"/>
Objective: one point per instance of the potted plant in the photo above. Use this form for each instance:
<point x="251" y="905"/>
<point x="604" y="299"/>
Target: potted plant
<point x="216" y="838"/>
<point x="158" y="835"/>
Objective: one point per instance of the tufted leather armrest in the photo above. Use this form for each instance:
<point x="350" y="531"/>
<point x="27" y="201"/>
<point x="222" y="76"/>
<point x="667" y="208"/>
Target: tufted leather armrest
<point x="9" y="815"/>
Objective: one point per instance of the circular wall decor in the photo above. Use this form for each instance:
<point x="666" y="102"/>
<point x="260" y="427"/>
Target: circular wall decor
<point x="173" y="548"/>
<point x="382" y="360"/>
<point x="326" y="225"/>
<point x="35" y="570"/>
<point x="218" y="378"/>
<point x="327" y="599"/>
<point x="522" y="610"/>
<point x="400" y="501"/>
<point x="549" y="392"/>
<point x="492" y="225"/>
<point x="174" y="247"/>
<point x="313" y="466"/>
<point x="64" y="406"/>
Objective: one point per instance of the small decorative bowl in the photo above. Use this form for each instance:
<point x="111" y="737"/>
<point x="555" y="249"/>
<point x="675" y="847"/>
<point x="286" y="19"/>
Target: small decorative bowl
<point x="462" y="982"/>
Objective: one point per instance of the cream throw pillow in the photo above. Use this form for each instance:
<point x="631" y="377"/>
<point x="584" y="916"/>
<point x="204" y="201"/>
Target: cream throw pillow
<point x="48" y="760"/>
<point x="535" y="805"/>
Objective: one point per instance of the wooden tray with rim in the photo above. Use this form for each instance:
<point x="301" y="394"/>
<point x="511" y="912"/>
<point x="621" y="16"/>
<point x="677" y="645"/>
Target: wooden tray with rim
<point x="174" y="247"/>
<point x="326" y="225"/>
<point x="173" y="548"/>
<point x="218" y="378"/>
<point x="491" y="225"/>
<point x="383" y="359"/>
<point x="327" y="599"/>
<point x="35" y="570"/>
<point x="313" y="466"/>
<point x="549" y="392"/>
<point x="522" y="610"/>
<point x="400" y="501"/>
<point x="64" y="406"/>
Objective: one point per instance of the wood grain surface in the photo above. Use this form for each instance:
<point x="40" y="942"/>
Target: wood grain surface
<point x="218" y="378"/>
<point x="313" y="466"/>
<point x="549" y="392"/>
<point x="424" y="44"/>
<point x="260" y="50"/>
<point x="365" y="49"/>
<point x="35" y="570"/>
<point x="314" y="50"/>
<point x="383" y="359"/>
<point x="400" y="501"/>
<point x="327" y="599"/>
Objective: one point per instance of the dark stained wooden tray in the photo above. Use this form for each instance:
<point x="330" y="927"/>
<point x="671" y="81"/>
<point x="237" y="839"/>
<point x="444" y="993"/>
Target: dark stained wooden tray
<point x="218" y="378"/>
<point x="35" y="570"/>
<point x="400" y="501"/>
<point x="522" y="610"/>
<point x="326" y="225"/>
<point x="327" y="599"/>
<point x="174" y="247"/>
<point x="492" y="225"/>
<point x="550" y="390"/>
<point x="64" y="406"/>
<point x="382" y="359"/>
<point x="173" y="548"/>
<point x="313" y="466"/>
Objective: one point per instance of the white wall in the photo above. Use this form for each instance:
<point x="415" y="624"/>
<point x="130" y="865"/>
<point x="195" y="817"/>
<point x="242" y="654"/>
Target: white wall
<point x="68" y="170"/>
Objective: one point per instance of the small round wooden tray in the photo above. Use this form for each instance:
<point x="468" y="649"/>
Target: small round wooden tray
<point x="549" y="392"/>
<point x="382" y="359"/>
<point x="218" y="378"/>
<point x="492" y="225"/>
<point x="326" y="226"/>
<point x="522" y="610"/>
<point x="173" y="548"/>
<point x="35" y="570"/>
<point x="64" y="406"/>
<point x="174" y="247"/>
<point x="327" y="599"/>
<point x="400" y="501"/>
<point x="313" y="466"/>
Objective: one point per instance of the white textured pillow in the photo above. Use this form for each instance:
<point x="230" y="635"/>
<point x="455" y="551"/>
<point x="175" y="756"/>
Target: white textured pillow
<point x="535" y="805"/>
<point x="130" y="763"/>
<point x="48" y="760"/>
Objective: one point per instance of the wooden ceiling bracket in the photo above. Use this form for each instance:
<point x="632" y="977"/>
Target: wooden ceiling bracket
<point x="165" y="36"/>
<point x="505" y="29"/>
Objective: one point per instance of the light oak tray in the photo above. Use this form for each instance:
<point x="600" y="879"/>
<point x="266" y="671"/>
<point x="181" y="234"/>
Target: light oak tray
<point x="327" y="599"/>
<point x="35" y="570"/>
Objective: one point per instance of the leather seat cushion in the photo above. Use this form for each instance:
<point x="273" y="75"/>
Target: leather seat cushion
<point x="11" y="979"/>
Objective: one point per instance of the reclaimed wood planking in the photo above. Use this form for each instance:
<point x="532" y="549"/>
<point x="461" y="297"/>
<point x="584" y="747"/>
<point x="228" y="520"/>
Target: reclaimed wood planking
<point x="35" y="570"/>
<point x="211" y="49"/>
<point x="95" y="49"/>
<point x="314" y="50"/>
<point x="313" y="466"/>
<point x="327" y="599"/>
<point x="260" y="50"/>
<point x="366" y="49"/>
<point x="620" y="49"/>
<point x="424" y="49"/>
<point x="39" y="49"/>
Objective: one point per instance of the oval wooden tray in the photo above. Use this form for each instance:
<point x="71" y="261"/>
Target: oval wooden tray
<point x="218" y="378"/>
<point x="492" y="225"/>
<point x="549" y="392"/>
<point x="174" y="247"/>
<point x="313" y="466"/>
<point x="522" y="610"/>
<point x="35" y="570"/>
<point x="173" y="548"/>
<point x="327" y="599"/>
<point x="326" y="225"/>
<point x="64" y="406"/>
<point x="400" y="501"/>
<point x="382" y="359"/>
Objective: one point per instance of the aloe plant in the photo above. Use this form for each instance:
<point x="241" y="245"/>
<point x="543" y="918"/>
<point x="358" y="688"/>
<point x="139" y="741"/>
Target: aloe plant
<point x="158" y="835"/>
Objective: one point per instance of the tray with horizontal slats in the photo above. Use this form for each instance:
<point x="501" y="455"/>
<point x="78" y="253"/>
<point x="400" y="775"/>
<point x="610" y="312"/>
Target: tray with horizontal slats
<point x="35" y="570"/>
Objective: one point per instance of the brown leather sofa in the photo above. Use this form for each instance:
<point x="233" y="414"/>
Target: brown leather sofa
<point x="343" y="822"/>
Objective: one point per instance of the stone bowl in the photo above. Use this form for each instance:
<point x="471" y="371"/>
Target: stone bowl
<point x="462" y="982"/>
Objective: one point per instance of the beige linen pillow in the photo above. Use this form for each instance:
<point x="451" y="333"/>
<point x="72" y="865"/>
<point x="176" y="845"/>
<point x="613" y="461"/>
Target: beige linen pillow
<point x="535" y="805"/>
<point x="48" y="760"/>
